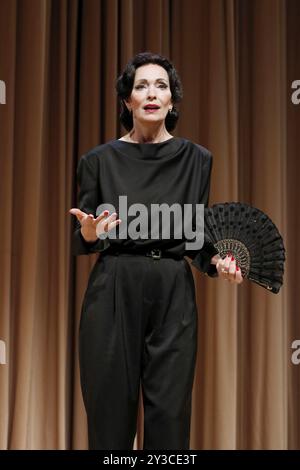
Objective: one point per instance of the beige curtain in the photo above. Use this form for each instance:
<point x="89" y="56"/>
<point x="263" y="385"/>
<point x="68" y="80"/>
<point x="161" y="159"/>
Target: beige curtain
<point x="59" y="59"/>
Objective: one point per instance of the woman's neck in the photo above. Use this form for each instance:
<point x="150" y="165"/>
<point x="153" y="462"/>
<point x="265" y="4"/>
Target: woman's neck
<point x="148" y="135"/>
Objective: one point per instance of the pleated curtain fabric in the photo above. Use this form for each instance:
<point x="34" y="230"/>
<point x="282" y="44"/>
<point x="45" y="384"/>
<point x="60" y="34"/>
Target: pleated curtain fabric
<point x="59" y="60"/>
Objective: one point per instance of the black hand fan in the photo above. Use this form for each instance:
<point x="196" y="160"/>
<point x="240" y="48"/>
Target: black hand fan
<point x="251" y="237"/>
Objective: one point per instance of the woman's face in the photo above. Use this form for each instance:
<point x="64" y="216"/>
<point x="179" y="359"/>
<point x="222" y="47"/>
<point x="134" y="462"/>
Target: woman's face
<point x="151" y="96"/>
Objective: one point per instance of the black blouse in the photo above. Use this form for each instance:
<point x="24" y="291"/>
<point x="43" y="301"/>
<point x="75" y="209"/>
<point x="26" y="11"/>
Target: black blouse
<point x="174" y="171"/>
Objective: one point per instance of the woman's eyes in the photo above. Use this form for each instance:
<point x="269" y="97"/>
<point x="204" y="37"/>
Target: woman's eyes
<point x="159" y="86"/>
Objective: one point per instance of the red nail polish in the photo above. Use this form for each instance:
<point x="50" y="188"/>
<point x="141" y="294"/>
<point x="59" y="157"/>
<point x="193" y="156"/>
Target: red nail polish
<point x="232" y="258"/>
<point x="237" y="268"/>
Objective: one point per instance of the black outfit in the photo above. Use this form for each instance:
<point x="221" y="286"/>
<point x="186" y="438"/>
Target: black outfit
<point x="139" y="317"/>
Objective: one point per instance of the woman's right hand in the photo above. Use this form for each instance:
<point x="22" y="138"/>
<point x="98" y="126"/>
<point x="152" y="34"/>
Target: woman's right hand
<point x="90" y="229"/>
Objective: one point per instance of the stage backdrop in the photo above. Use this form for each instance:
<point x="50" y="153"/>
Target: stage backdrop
<point x="58" y="63"/>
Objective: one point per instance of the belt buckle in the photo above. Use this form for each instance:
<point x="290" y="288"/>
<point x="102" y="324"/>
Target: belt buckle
<point x="156" y="253"/>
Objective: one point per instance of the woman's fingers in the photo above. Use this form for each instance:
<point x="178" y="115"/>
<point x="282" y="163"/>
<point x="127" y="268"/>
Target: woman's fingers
<point x="228" y="270"/>
<point x="108" y="220"/>
<point x="107" y="224"/>
<point x="105" y="221"/>
<point x="238" y="276"/>
<point x="101" y="216"/>
<point x="102" y="223"/>
<point x="227" y="262"/>
<point x="232" y="269"/>
<point x="215" y="259"/>
<point x="220" y="265"/>
<point x="113" y="224"/>
<point x="78" y="213"/>
<point x="235" y="274"/>
<point x="82" y="217"/>
<point x="223" y="267"/>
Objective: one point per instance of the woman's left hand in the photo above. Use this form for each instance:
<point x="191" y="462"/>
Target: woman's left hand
<point x="227" y="269"/>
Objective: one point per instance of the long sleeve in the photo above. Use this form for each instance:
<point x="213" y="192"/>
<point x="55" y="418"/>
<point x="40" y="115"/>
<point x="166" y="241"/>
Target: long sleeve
<point x="89" y="200"/>
<point x="201" y="259"/>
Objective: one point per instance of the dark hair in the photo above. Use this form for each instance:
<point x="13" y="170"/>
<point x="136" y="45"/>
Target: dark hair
<point x="124" y="85"/>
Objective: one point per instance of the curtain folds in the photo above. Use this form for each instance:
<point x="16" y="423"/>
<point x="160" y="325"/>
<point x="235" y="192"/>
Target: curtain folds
<point x="59" y="60"/>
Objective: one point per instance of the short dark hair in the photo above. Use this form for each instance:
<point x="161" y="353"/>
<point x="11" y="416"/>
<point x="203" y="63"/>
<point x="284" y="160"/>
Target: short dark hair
<point x="124" y="85"/>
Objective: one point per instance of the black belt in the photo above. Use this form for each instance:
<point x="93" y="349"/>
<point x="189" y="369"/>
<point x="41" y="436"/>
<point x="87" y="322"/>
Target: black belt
<point x="155" y="253"/>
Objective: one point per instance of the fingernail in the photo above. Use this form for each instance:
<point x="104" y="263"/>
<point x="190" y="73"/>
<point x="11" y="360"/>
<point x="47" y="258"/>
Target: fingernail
<point x="237" y="268"/>
<point x="105" y="212"/>
<point x="232" y="258"/>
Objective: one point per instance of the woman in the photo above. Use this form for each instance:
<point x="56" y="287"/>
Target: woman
<point x="139" y="317"/>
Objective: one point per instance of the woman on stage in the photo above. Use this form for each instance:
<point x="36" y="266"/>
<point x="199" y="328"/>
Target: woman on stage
<point x="139" y="316"/>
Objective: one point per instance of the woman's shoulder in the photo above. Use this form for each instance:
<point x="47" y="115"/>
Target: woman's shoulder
<point x="93" y="154"/>
<point x="203" y="150"/>
<point x="199" y="149"/>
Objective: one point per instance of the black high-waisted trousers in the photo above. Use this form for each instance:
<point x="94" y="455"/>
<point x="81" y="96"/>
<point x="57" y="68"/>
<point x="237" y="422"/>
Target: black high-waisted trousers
<point x="138" y="326"/>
